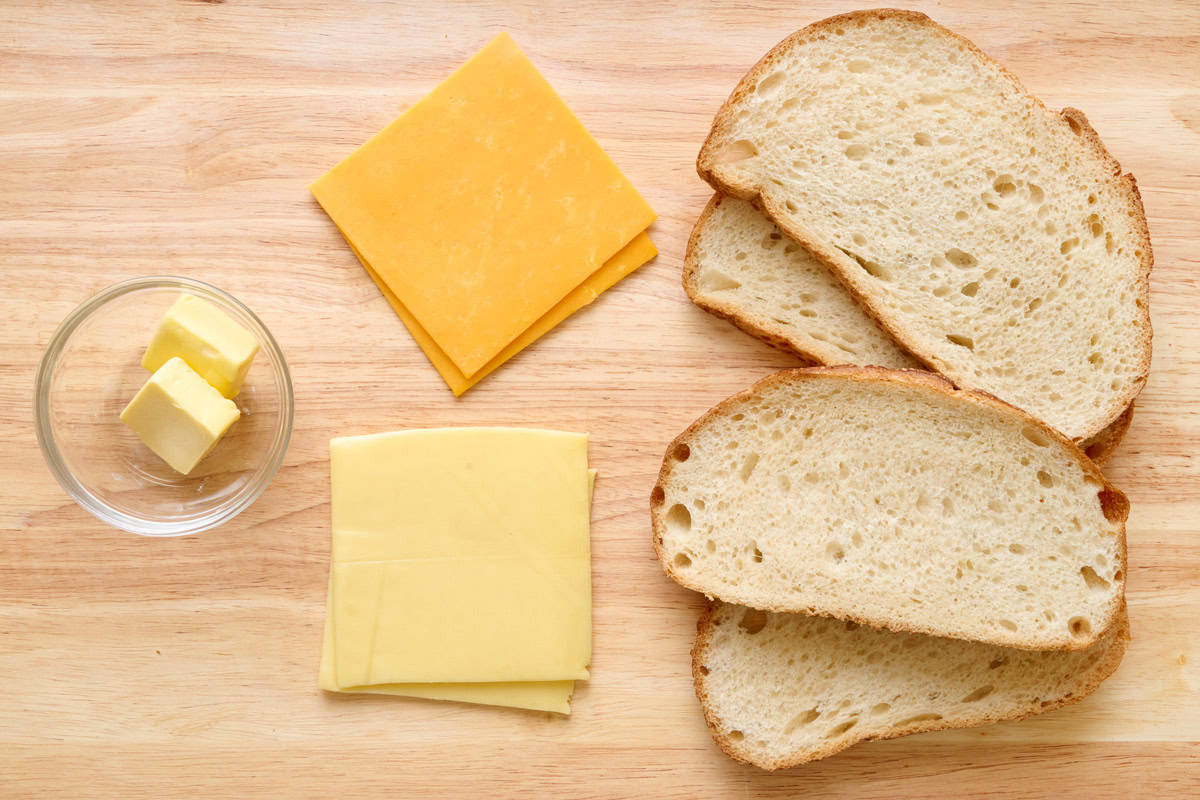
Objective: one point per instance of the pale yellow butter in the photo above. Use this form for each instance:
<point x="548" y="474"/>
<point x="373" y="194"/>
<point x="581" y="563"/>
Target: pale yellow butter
<point x="179" y="415"/>
<point x="215" y="346"/>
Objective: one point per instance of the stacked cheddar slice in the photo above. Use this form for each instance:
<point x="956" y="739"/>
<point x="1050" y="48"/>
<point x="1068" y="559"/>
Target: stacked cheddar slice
<point x="460" y="566"/>
<point x="487" y="214"/>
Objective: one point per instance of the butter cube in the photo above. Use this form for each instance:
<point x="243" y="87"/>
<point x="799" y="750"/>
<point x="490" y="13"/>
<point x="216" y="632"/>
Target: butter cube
<point x="204" y="336"/>
<point x="179" y="415"/>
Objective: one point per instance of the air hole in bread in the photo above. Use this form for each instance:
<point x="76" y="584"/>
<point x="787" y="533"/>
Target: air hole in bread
<point x="1004" y="186"/>
<point x="838" y="730"/>
<point x="753" y="621"/>
<point x="856" y="152"/>
<point x="881" y="708"/>
<point x="678" y="519"/>
<point x="657" y="496"/>
<point x="1079" y="627"/>
<point x="734" y="152"/>
<point x="1093" y="581"/>
<point x="1045" y="478"/>
<point x="859" y="65"/>
<point x="1095" y="359"/>
<point x="835" y="552"/>
<point x="1016" y="548"/>
<point x="923" y="139"/>
<point x="713" y="280"/>
<point x="1068" y="245"/>
<point x="961" y="259"/>
<point x="961" y="341"/>
<point x="1036" y="195"/>
<point x="682" y="560"/>
<point x="703" y="670"/>
<point x="961" y="216"/>
<point x="1035" y="435"/>
<point x="736" y="736"/>
<point x="997" y="663"/>
<point x="710" y="546"/>
<point x="978" y="694"/>
<point x="758" y="556"/>
<point x="1034" y="305"/>
<point x="927" y="99"/>
<point x="1007" y="624"/>
<point x="1117" y="575"/>
<point x="682" y="452"/>
<point x="1075" y="127"/>
<point x="918" y="718"/>
<point x="801" y="719"/>
<point x="922" y="501"/>
<point x="748" y="467"/>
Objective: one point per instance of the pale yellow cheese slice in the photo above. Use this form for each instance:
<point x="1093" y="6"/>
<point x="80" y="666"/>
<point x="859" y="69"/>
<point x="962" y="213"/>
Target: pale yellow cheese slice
<point x="460" y="555"/>
<point x="483" y="205"/>
<point x="627" y="259"/>
<point x="535" y="695"/>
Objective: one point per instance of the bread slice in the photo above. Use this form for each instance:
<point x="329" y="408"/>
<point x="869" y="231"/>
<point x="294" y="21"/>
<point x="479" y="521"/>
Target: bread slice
<point x="997" y="241"/>
<point x="892" y="499"/>
<point x="740" y="267"/>
<point x="782" y="689"/>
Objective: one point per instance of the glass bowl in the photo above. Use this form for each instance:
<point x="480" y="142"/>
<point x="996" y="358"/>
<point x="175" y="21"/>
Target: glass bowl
<point x="92" y="369"/>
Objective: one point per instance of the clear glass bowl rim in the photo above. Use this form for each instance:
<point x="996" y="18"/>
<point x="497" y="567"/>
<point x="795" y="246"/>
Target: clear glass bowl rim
<point x="93" y="504"/>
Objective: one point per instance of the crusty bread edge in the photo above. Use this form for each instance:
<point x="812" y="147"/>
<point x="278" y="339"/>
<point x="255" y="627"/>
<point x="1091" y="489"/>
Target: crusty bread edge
<point x="1101" y="447"/>
<point x="1113" y="502"/>
<point x="845" y="269"/>
<point x="704" y="631"/>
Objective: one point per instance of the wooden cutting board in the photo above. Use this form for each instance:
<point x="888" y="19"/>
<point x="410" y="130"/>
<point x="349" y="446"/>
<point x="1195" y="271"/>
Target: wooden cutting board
<point x="146" y="137"/>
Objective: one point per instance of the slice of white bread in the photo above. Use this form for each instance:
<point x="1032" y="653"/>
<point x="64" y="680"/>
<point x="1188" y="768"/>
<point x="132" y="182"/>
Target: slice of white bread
<point x="741" y="267"/>
<point x="893" y="499"/>
<point x="781" y="689"/>
<point x="997" y="241"/>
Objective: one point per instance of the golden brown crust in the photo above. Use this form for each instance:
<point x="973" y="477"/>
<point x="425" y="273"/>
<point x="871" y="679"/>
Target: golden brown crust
<point x="1101" y="446"/>
<point x="704" y="631"/>
<point x="844" y="268"/>
<point x="1108" y="495"/>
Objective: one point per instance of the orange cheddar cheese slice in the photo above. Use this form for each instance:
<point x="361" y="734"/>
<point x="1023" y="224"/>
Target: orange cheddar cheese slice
<point x="627" y="259"/>
<point x="483" y="206"/>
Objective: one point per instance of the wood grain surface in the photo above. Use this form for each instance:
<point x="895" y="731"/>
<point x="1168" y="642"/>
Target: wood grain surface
<point x="145" y="137"/>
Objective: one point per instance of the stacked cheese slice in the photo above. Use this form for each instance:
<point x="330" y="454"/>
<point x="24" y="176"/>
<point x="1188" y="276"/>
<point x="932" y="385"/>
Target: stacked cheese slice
<point x="460" y="566"/>
<point x="487" y="214"/>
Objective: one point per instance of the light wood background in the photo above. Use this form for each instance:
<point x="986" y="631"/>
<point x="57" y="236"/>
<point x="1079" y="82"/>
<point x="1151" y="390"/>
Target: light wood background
<point x="142" y="137"/>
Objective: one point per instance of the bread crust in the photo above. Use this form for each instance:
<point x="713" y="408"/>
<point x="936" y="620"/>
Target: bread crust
<point x="1101" y="447"/>
<point x="1113" y="502"/>
<point x="704" y="632"/>
<point x="844" y="268"/>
